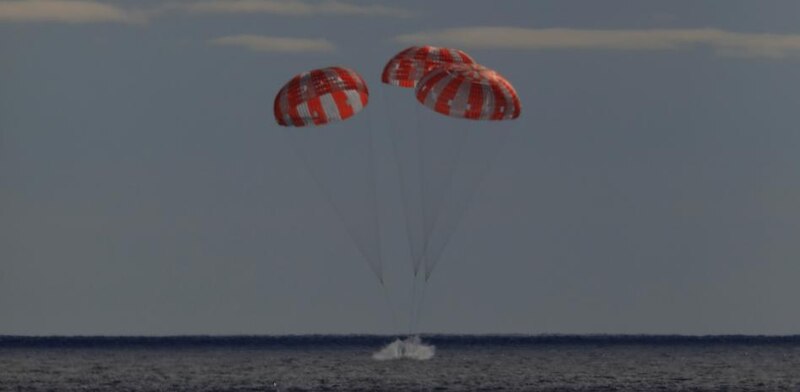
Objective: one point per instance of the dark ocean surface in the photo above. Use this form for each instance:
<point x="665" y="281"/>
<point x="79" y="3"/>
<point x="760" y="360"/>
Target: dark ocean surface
<point x="460" y="363"/>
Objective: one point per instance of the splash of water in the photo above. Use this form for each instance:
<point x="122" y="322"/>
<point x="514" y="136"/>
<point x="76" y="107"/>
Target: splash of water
<point x="411" y="347"/>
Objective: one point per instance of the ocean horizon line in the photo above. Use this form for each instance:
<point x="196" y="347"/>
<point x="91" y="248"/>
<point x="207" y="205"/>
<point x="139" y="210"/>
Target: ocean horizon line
<point x="332" y="340"/>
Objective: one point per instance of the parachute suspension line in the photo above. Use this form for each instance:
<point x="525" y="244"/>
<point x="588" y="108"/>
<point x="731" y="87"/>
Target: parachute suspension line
<point x="418" y="315"/>
<point x="448" y="183"/>
<point x="448" y="233"/>
<point x="413" y="302"/>
<point x="421" y="180"/>
<point x="422" y="191"/>
<point x="395" y="326"/>
<point x="424" y="211"/>
<point x="403" y="183"/>
<point x="377" y="221"/>
<point x="378" y="271"/>
<point x="372" y="174"/>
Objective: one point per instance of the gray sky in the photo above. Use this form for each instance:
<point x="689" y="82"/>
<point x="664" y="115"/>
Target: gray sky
<point x="651" y="185"/>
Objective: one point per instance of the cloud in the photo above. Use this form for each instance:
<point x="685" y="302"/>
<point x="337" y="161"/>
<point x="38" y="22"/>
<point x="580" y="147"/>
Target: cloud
<point x="260" y="43"/>
<point x="294" y="8"/>
<point x="90" y="11"/>
<point x="65" y="11"/>
<point x="721" y="41"/>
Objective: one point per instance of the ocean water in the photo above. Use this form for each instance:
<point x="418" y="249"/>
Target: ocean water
<point x="372" y="363"/>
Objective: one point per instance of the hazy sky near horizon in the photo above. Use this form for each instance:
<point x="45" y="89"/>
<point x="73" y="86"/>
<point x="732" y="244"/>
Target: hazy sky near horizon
<point x="652" y="184"/>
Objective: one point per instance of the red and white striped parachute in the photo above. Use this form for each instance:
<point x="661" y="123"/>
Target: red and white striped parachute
<point x="469" y="91"/>
<point x="406" y="68"/>
<point x="321" y="96"/>
<point x="441" y="165"/>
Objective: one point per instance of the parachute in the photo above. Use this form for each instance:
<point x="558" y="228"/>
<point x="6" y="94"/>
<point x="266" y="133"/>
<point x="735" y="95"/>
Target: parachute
<point x="473" y="92"/>
<point x="441" y="163"/>
<point x="339" y="159"/>
<point x="469" y="91"/>
<point x="321" y="96"/>
<point x="406" y="68"/>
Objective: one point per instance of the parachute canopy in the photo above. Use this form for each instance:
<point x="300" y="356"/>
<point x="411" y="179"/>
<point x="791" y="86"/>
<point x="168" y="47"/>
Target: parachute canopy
<point x="468" y="91"/>
<point x="321" y="96"/>
<point x="406" y="68"/>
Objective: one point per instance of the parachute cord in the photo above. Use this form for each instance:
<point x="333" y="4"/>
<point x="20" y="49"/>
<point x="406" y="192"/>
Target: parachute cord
<point x="374" y="181"/>
<point x="405" y="197"/>
<point x="421" y="180"/>
<point x="437" y="209"/>
<point x="470" y="197"/>
<point x="424" y="211"/>
<point x="403" y="183"/>
<point x="418" y="317"/>
<point x="378" y="272"/>
<point x="395" y="326"/>
<point x="413" y="303"/>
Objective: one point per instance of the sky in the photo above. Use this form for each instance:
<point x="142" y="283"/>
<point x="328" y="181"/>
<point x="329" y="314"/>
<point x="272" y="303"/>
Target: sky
<point x="651" y="184"/>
